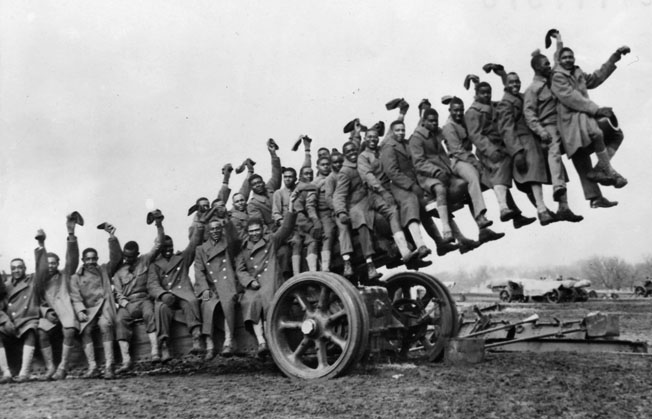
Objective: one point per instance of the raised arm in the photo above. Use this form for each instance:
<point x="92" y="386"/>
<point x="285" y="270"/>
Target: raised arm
<point x="72" y="249"/>
<point x="277" y="207"/>
<point x="569" y="96"/>
<point x="225" y="191"/>
<point x="160" y="234"/>
<point x="274" y="182"/>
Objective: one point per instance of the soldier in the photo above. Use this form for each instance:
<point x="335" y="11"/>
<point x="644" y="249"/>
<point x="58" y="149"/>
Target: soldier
<point x="490" y="150"/>
<point x="260" y="203"/>
<point x="398" y="166"/>
<point x="351" y="206"/>
<point x="134" y="302"/>
<point x="21" y="320"/>
<point x="540" y="113"/>
<point x="259" y="271"/>
<point x="371" y="172"/>
<point x="57" y="313"/>
<point x="578" y="115"/>
<point x="303" y="225"/>
<point x="170" y="287"/>
<point x="529" y="170"/>
<point x="93" y="302"/>
<point x="325" y="210"/>
<point x="202" y="205"/>
<point x="216" y="283"/>
<point x="238" y="212"/>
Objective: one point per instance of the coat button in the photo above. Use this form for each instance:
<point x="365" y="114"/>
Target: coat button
<point x="9" y="304"/>
<point x="223" y="260"/>
<point x="210" y="272"/>
<point x="13" y="313"/>
<point x="179" y="287"/>
<point x="255" y="266"/>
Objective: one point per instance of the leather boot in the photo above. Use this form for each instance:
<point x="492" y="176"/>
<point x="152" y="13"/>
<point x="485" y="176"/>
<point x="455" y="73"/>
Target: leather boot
<point x="153" y="342"/>
<point x="109" y="374"/>
<point x="48" y="359"/>
<point x="126" y="357"/>
<point x="26" y="366"/>
<point x="93" y="371"/>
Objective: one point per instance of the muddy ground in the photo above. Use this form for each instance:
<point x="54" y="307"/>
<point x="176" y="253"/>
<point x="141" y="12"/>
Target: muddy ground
<point x="521" y="385"/>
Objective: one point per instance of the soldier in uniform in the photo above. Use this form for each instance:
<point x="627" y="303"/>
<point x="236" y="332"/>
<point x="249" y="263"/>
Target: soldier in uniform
<point x="490" y="150"/>
<point x="21" y="320"/>
<point x="260" y="202"/>
<point x="94" y="304"/>
<point x="216" y="282"/>
<point x="238" y="212"/>
<point x="351" y="206"/>
<point x="169" y="285"/>
<point x="578" y="116"/>
<point x="6" y="329"/>
<point x="373" y="176"/>
<point x="540" y="113"/>
<point x="134" y="302"/>
<point x="259" y="271"/>
<point x="57" y="313"/>
<point x="325" y="211"/>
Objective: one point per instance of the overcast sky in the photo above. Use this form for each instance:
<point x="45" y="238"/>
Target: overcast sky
<point x="114" y="108"/>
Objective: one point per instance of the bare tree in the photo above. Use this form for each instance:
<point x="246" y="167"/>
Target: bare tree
<point x="608" y="271"/>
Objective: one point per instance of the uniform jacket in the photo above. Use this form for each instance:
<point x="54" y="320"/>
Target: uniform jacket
<point x="329" y="188"/>
<point x="260" y="206"/>
<point x="350" y="197"/>
<point x="371" y="171"/>
<point x="22" y="310"/>
<point x="91" y="293"/>
<point x="482" y="131"/>
<point x="519" y="138"/>
<point x="458" y="143"/>
<point x="172" y="275"/>
<point x="428" y="153"/>
<point x="575" y="111"/>
<point x="395" y="158"/>
<point x="57" y="287"/>
<point x="259" y="261"/>
<point x="539" y="106"/>
<point x="323" y="204"/>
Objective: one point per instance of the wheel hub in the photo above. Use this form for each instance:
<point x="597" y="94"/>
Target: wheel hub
<point x="309" y="327"/>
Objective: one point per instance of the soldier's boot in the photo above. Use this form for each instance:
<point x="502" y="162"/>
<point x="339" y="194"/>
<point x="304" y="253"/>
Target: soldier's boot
<point x="153" y="342"/>
<point x="48" y="359"/>
<point x="486" y="235"/>
<point x="227" y="347"/>
<point x="93" y="371"/>
<point x="109" y="374"/>
<point x="325" y="260"/>
<point x="127" y="363"/>
<point x="62" y="370"/>
<point x="311" y="259"/>
<point x="260" y="337"/>
<point x="26" y="366"/>
<point x="210" y="348"/>
<point x="4" y="367"/>
<point x="296" y="264"/>
<point x="401" y="242"/>
<point x="165" y="351"/>
<point x="372" y="273"/>
<point x="348" y="269"/>
<point x="197" y="346"/>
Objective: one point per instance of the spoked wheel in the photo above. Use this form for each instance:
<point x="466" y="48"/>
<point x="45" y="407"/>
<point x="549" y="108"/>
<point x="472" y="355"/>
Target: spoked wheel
<point x="429" y="320"/>
<point x="553" y="296"/>
<point x="316" y="326"/>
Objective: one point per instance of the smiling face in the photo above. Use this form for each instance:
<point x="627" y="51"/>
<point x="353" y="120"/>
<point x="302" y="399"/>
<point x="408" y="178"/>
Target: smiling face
<point x="215" y="230"/>
<point x="90" y="259"/>
<point x="513" y="84"/>
<point x="372" y="139"/>
<point x="567" y="60"/>
<point x="457" y="112"/>
<point x="18" y="269"/>
<point x="351" y="152"/>
<point x="258" y="185"/>
<point x="255" y="232"/>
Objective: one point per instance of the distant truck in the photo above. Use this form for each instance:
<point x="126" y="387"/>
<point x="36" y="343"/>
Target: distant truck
<point x="552" y="291"/>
